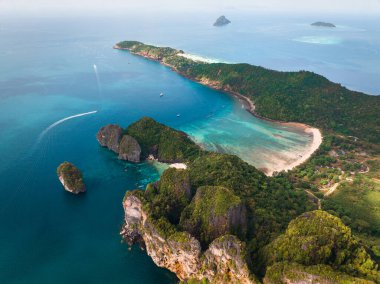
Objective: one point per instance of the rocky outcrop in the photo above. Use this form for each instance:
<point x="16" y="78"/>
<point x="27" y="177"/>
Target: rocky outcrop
<point x="129" y="149"/>
<point x="109" y="136"/>
<point x="221" y="21"/>
<point x="223" y="262"/>
<point x="71" y="178"/>
<point x="213" y="212"/>
<point x="133" y="218"/>
<point x="112" y="136"/>
<point x="319" y="238"/>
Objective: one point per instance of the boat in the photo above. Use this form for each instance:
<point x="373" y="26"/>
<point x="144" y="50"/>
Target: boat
<point x="161" y="94"/>
<point x="178" y="115"/>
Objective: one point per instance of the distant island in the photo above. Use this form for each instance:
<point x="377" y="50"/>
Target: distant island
<point x="71" y="178"/>
<point x="323" y="24"/>
<point x="221" y="21"/>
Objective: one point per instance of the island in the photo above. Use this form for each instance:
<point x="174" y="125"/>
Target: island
<point x="220" y="220"/>
<point x="71" y="178"/>
<point x="303" y="97"/>
<point x="231" y="222"/>
<point x="221" y="21"/>
<point x="323" y="24"/>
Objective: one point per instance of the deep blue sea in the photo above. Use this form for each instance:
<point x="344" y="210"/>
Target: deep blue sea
<point x="54" y="68"/>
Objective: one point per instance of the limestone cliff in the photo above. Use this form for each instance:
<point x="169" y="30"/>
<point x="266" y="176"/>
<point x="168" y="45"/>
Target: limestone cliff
<point x="213" y="212"/>
<point x="223" y="262"/>
<point x="109" y="136"/>
<point x="112" y="136"/>
<point x="129" y="149"/>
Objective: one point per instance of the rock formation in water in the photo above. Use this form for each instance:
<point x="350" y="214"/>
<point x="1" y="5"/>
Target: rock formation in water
<point x="109" y="136"/>
<point x="223" y="262"/>
<point x="323" y="24"/>
<point x="221" y="21"/>
<point x="112" y="136"/>
<point x="71" y="178"/>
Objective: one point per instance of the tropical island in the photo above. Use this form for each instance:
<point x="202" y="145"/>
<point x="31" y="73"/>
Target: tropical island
<point x="223" y="221"/>
<point x="221" y="21"/>
<point x="71" y="178"/>
<point x="336" y="190"/>
<point x="323" y="24"/>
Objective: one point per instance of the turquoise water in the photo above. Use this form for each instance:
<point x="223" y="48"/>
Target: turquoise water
<point x="47" y="74"/>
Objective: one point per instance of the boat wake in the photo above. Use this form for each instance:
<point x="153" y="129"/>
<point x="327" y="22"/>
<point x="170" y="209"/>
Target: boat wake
<point x="43" y="133"/>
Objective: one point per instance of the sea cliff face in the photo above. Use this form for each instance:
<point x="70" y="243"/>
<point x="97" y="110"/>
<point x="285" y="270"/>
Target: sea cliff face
<point x="223" y="262"/>
<point x="112" y="136"/>
<point x="129" y="149"/>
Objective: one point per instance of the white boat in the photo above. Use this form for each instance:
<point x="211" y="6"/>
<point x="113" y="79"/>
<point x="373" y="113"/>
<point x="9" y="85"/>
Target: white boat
<point x="161" y="94"/>
<point x="178" y="115"/>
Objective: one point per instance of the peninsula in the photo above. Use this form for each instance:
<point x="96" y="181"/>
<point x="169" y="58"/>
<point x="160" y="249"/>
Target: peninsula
<point x="303" y="97"/>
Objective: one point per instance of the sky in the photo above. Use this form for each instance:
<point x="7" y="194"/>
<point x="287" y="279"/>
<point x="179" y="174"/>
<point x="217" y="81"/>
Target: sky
<point x="41" y="7"/>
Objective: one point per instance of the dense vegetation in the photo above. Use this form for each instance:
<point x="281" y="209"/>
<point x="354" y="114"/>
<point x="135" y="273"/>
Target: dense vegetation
<point x="170" y="195"/>
<point x="213" y="212"/>
<point x="271" y="202"/>
<point x="163" y="142"/>
<point x="320" y="238"/>
<point x="284" y="271"/>
<point x="353" y="167"/>
<point x="288" y="96"/>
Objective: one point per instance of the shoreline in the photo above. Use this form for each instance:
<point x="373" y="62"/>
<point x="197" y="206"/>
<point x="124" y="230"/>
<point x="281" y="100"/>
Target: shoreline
<point x="249" y="106"/>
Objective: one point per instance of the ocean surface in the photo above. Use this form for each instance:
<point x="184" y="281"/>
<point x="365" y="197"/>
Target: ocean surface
<point x="60" y="81"/>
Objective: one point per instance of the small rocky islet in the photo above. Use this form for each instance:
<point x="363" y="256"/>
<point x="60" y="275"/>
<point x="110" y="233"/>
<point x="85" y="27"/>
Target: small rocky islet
<point x="71" y="178"/>
<point x="221" y="21"/>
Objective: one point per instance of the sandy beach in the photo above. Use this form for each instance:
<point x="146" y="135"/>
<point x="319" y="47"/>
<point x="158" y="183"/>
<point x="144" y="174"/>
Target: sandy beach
<point x="293" y="159"/>
<point x="296" y="159"/>
<point x="178" y="166"/>
<point x="302" y="157"/>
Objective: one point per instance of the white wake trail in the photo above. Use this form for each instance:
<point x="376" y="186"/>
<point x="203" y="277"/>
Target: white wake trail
<point x="61" y="121"/>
